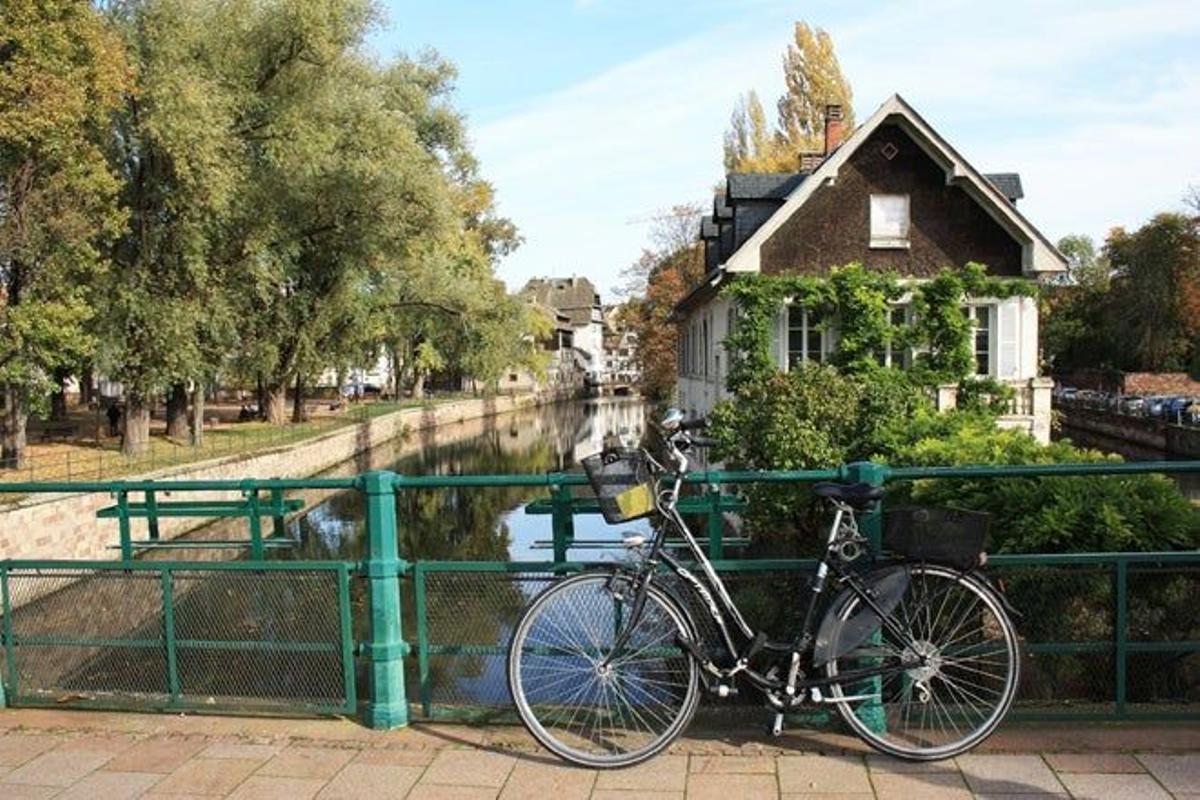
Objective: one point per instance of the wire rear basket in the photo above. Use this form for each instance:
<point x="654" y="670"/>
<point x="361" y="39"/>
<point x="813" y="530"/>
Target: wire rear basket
<point x="622" y="482"/>
<point x="951" y="536"/>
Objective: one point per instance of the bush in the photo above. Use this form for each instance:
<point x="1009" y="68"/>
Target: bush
<point x="817" y="417"/>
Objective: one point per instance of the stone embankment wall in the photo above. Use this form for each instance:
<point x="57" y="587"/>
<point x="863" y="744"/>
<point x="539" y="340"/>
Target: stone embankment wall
<point x="61" y="526"/>
<point x="1174" y="440"/>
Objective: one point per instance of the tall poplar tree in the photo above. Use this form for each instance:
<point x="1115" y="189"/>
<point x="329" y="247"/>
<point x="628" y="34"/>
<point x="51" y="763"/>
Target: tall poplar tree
<point x="813" y="79"/>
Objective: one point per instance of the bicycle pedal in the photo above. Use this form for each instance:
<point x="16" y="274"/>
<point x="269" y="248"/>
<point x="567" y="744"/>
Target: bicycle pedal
<point x="777" y="725"/>
<point x="723" y="690"/>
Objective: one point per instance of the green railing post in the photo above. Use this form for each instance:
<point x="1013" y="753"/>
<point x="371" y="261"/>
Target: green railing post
<point x="422" y="609"/>
<point x="123" y="525"/>
<point x="1121" y="632"/>
<point x="277" y="529"/>
<point x="10" y="657"/>
<point x="716" y="523"/>
<point x="870" y="525"/>
<point x="388" y="707"/>
<point x="168" y="600"/>
<point x="256" y="544"/>
<point x="152" y="513"/>
<point x="562" y="521"/>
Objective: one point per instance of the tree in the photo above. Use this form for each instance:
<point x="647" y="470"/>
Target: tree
<point x="165" y="319"/>
<point x="667" y="270"/>
<point x="813" y="79"/>
<point x="1156" y="291"/>
<point x="61" y="75"/>
<point x="1085" y="267"/>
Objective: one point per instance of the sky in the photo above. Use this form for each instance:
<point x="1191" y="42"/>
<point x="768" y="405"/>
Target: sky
<point x="592" y="116"/>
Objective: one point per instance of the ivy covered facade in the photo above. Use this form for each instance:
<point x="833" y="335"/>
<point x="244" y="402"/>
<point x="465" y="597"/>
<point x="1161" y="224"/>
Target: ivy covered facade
<point x="889" y="249"/>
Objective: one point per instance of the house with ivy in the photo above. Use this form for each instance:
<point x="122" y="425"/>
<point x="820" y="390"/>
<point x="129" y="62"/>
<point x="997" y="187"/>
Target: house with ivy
<point x="895" y="198"/>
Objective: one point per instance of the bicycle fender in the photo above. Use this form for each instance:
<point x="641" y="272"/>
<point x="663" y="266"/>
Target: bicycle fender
<point x="997" y="590"/>
<point x="836" y="636"/>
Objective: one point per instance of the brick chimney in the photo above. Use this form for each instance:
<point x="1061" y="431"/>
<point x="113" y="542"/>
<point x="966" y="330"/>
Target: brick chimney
<point x="810" y="161"/>
<point x="834" y="127"/>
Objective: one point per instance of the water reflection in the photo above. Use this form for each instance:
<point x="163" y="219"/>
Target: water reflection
<point x="486" y="524"/>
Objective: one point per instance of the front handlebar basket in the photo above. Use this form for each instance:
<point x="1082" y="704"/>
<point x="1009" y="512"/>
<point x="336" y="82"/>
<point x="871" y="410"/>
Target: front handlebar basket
<point x="623" y="483"/>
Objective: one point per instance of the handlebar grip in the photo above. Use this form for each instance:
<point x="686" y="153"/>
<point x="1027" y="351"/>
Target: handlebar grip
<point x="703" y="441"/>
<point x="693" y="424"/>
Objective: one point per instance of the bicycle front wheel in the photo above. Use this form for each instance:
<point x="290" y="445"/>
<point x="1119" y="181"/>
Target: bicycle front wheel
<point x="583" y="701"/>
<point x="950" y="686"/>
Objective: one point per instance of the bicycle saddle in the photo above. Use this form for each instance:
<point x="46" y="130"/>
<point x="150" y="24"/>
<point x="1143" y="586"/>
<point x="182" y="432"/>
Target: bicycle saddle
<point x="855" y="494"/>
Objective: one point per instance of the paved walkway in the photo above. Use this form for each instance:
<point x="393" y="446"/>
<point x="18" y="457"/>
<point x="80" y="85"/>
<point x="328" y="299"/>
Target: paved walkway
<point x="98" y="756"/>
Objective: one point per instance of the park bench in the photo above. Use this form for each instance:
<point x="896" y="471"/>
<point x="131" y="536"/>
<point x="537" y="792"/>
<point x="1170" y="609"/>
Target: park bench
<point x="252" y="507"/>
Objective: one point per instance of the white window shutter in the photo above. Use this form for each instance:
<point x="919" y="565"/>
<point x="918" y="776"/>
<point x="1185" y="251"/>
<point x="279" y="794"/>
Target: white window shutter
<point x="1008" y="339"/>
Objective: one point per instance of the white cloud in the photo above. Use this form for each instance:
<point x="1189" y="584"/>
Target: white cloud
<point x="1065" y="94"/>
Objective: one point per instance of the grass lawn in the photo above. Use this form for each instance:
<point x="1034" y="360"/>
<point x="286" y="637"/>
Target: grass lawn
<point x="91" y="455"/>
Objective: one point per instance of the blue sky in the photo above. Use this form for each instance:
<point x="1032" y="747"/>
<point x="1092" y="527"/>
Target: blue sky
<point x="590" y="115"/>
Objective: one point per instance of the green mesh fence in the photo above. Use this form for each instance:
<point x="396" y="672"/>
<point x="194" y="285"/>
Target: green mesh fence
<point x="1102" y="637"/>
<point x="220" y="637"/>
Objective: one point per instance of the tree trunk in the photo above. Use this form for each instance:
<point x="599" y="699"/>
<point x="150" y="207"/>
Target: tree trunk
<point x="58" y="400"/>
<point x="261" y="389"/>
<point x="418" y="390"/>
<point x="87" y="391"/>
<point x="13" y="416"/>
<point x="395" y="365"/>
<point x="198" y="414"/>
<point x="135" y="426"/>
<point x="177" y="416"/>
<point x="275" y="403"/>
<point x="298" y="400"/>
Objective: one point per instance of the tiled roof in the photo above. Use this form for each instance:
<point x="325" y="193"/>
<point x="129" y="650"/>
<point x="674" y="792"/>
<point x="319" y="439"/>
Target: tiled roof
<point x="1009" y="184"/>
<point x="763" y="185"/>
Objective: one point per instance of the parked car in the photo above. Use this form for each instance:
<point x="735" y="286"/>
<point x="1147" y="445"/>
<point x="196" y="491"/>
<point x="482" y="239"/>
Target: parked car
<point x="1175" y="409"/>
<point x="1132" y="404"/>
<point x="1154" y="405"/>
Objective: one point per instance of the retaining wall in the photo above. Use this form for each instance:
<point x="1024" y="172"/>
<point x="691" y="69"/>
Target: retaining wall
<point x="65" y="525"/>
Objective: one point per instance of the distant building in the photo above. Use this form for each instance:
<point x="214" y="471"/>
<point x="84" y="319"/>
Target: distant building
<point x="578" y="301"/>
<point x="620" y="352"/>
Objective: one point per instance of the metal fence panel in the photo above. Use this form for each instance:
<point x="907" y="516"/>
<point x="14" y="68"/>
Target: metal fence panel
<point x="1077" y="663"/>
<point x="270" y="637"/>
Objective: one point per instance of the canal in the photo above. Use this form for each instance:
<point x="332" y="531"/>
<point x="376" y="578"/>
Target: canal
<point x="474" y="524"/>
<point x="1189" y="484"/>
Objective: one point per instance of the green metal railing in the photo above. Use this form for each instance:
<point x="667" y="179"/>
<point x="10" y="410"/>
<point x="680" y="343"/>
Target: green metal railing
<point x="171" y="654"/>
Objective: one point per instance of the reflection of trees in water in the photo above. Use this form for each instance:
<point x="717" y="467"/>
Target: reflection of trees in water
<point x="465" y="524"/>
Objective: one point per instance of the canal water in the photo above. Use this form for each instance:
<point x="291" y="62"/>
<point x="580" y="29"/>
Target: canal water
<point x="1189" y="484"/>
<point x="478" y="524"/>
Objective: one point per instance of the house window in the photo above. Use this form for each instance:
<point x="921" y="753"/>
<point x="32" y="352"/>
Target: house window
<point x="704" y="346"/>
<point x="982" y="319"/>
<point x="889" y="220"/>
<point x="895" y="354"/>
<point x="805" y="338"/>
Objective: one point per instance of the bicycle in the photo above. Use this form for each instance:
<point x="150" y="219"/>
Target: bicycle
<point x="918" y="654"/>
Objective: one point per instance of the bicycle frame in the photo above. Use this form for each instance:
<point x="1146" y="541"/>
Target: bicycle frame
<point x="723" y="610"/>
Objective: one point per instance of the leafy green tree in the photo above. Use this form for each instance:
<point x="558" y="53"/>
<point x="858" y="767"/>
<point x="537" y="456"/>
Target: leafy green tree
<point x="1085" y="267"/>
<point x="1156" y="291"/>
<point x="61" y="75"/>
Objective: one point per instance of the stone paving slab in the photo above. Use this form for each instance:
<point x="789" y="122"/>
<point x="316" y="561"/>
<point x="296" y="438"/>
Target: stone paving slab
<point x="77" y="757"/>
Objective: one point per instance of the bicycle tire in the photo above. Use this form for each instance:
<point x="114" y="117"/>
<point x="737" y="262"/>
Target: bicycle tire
<point x="972" y="677"/>
<point x="629" y="714"/>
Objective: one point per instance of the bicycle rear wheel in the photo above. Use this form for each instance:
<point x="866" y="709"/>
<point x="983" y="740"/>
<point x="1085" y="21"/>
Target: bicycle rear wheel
<point x="583" y="709"/>
<point x="963" y="689"/>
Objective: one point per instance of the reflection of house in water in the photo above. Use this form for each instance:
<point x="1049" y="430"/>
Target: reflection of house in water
<point x="575" y="430"/>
